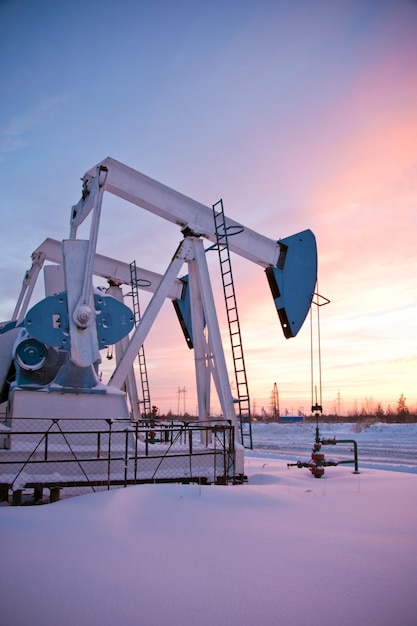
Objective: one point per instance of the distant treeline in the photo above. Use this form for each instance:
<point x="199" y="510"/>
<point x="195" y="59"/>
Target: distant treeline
<point x="359" y="418"/>
<point x="365" y="418"/>
<point x="402" y="414"/>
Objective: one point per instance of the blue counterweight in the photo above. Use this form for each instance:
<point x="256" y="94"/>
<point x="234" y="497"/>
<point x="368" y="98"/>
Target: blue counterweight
<point x="293" y="280"/>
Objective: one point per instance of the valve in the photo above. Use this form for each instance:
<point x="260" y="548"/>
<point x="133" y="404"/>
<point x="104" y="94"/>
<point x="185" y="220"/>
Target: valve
<point x="318" y="461"/>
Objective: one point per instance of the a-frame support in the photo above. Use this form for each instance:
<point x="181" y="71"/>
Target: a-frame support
<point x="209" y="354"/>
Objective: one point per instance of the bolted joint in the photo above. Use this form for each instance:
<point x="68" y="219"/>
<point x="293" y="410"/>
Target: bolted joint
<point x="83" y="315"/>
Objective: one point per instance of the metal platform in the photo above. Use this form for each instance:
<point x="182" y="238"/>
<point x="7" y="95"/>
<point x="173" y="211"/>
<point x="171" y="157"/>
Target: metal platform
<point x="61" y="454"/>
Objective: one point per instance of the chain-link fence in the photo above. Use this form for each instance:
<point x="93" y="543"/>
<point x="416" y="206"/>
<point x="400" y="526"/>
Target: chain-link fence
<point x="63" y="454"/>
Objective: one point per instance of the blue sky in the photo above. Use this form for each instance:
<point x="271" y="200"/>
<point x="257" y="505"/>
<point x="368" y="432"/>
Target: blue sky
<point x="298" y="114"/>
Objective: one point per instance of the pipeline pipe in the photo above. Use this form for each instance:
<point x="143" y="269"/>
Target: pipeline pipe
<point x="334" y="441"/>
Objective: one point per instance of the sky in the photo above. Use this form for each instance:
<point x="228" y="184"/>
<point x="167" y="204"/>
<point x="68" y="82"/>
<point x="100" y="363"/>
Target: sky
<point x="297" y="114"/>
<point x="282" y="548"/>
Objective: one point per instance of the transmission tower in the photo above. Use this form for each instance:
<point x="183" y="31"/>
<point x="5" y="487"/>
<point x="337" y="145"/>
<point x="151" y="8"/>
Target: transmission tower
<point x="181" y="393"/>
<point x="275" y="403"/>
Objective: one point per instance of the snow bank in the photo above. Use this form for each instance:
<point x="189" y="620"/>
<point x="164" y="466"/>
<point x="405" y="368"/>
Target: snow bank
<point x="283" y="549"/>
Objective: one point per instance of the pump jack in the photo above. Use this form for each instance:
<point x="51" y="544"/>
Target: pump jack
<point x="54" y="347"/>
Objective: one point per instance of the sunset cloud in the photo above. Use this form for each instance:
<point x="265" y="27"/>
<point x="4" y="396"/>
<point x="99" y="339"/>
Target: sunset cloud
<point x="297" y="114"/>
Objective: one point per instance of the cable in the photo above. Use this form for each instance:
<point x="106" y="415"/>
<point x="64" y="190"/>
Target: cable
<point x="318" y="405"/>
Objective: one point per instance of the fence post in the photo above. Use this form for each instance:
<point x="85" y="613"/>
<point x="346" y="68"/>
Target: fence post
<point x="126" y="459"/>
<point x="136" y="450"/>
<point x="109" y="422"/>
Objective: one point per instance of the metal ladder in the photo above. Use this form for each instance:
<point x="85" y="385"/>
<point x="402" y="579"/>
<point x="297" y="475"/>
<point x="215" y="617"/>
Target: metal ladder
<point x="234" y="326"/>
<point x="147" y="408"/>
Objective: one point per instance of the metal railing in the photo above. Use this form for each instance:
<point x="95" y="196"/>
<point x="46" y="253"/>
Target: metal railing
<point x="100" y="454"/>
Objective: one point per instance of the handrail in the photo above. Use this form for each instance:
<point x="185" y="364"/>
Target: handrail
<point x="110" y="452"/>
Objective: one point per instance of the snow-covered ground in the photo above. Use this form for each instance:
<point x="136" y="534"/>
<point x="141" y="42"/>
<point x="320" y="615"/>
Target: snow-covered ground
<point x="380" y="445"/>
<point x="285" y="548"/>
